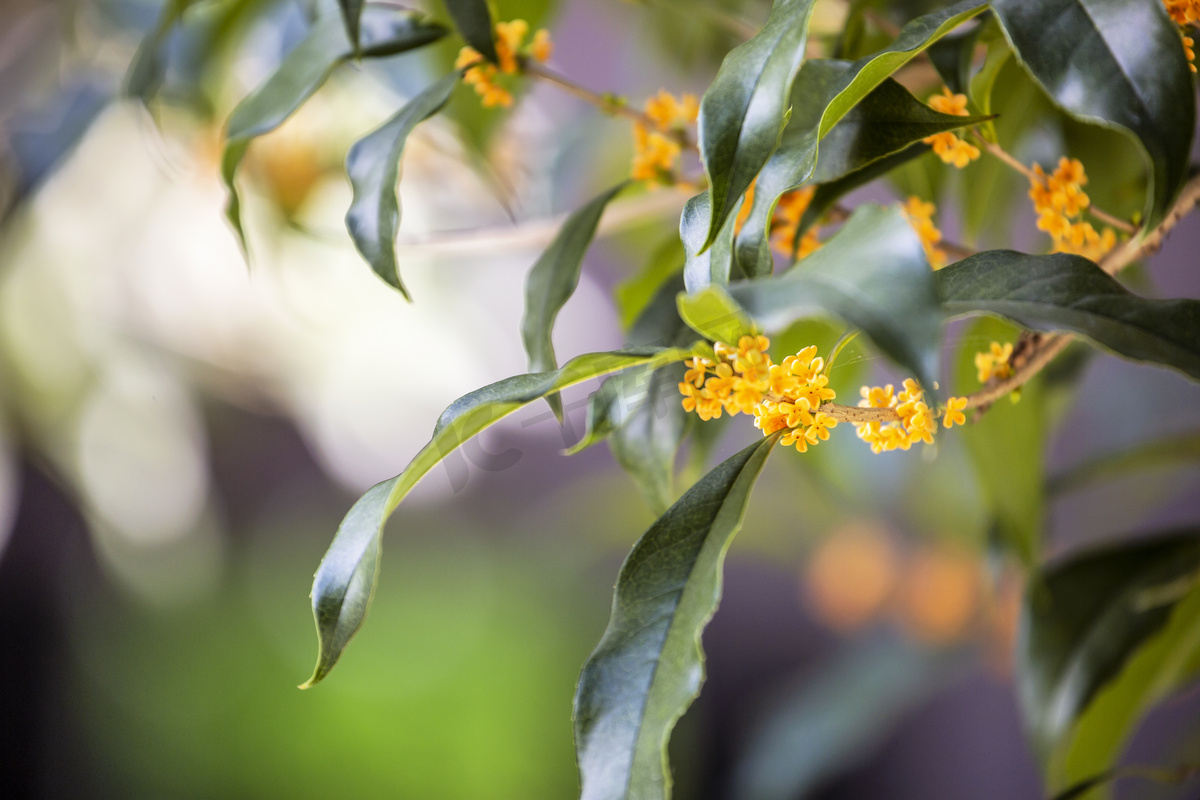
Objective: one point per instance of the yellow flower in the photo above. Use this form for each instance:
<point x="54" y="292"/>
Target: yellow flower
<point x="655" y="151"/>
<point x="466" y="57"/>
<point x="916" y="423"/>
<point x="509" y="36"/>
<point x="786" y="221"/>
<point x="994" y="363"/>
<point x="950" y="148"/>
<point x="697" y="368"/>
<point x="920" y="216"/>
<point x="541" y="48"/>
<point x="673" y="113"/>
<point x="954" y="412"/>
<point x="1183" y="12"/>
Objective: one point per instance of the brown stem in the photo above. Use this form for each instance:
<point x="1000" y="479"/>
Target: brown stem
<point x="609" y="104"/>
<point x="1109" y="219"/>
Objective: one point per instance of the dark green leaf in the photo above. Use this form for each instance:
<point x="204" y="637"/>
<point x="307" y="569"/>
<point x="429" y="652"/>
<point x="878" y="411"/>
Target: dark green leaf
<point x="473" y="19"/>
<point x="552" y="281"/>
<point x="302" y="72"/>
<point x="1070" y="293"/>
<point x="345" y="580"/>
<point x="352" y="17"/>
<point x="1088" y="626"/>
<point x="1007" y="450"/>
<point x="1179" y="448"/>
<point x="648" y="667"/>
<point x="373" y="165"/>
<point x="145" y="73"/>
<point x="873" y="275"/>
<point x="952" y="57"/>
<point x="887" y="121"/>
<point x="979" y="90"/>
<point x="639" y="410"/>
<point x="1116" y="63"/>
<point x="745" y="108"/>
<point x="714" y="266"/>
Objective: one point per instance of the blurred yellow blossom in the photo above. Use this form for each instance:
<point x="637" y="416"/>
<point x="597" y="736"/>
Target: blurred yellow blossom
<point x="950" y="148"/>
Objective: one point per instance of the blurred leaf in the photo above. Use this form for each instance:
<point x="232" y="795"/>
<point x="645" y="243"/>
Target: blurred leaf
<point x="745" y="108"/>
<point x="1006" y="448"/>
<point x="352" y="17"/>
<point x="1125" y="67"/>
<point x="648" y="667"/>
<point x="345" y="580"/>
<point x="979" y="90"/>
<point x="473" y="19"/>
<point x="1179" y="448"/>
<point x="715" y="265"/>
<point x="146" y="70"/>
<point x="873" y="275"/>
<point x="1066" y="292"/>
<point x="715" y="315"/>
<point x="373" y="166"/>
<point x="303" y="71"/>
<point x="552" y="281"/>
<point x="1164" y="663"/>
<point x="1118" y="623"/>
<point x="636" y="292"/>
<point x="834" y="718"/>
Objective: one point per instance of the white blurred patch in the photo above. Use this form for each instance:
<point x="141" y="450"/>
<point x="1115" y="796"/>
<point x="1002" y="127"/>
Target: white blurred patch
<point x="140" y="455"/>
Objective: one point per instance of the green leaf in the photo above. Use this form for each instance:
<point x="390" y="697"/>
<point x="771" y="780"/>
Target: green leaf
<point x="1007" y="450"/>
<point x="552" y="281"/>
<point x="873" y="275"/>
<point x="1179" y="448"/>
<point x="1117" y="63"/>
<point x="648" y="666"/>
<point x="979" y="90"/>
<point x="1088" y="636"/>
<point x="715" y="315"/>
<point x="1069" y="293"/>
<point x="828" y="194"/>
<point x="888" y="120"/>
<point x="346" y="578"/>
<point x="714" y="266"/>
<point x="303" y="71"/>
<point x="473" y="19"/>
<point x="373" y="166"/>
<point x="635" y="293"/>
<point x="145" y="73"/>
<point x="745" y="107"/>
<point x="352" y="17"/>
<point x="1168" y="661"/>
<point x="952" y="57"/>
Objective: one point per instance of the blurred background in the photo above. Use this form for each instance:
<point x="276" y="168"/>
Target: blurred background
<point x="181" y="432"/>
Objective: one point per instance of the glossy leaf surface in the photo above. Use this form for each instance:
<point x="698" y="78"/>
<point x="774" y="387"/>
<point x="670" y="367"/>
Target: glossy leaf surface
<point x="1069" y="293"/>
<point x="373" y="166"/>
<point x="1116" y="63"/>
<point x="302" y="72"/>
<point x="552" y="281"/>
<point x="345" y="580"/>
<point x="145" y="73"/>
<point x="745" y="107"/>
<point x="1085" y="624"/>
<point x="714" y="266"/>
<point x="473" y="19"/>
<point x="648" y="666"/>
<point x="873" y="275"/>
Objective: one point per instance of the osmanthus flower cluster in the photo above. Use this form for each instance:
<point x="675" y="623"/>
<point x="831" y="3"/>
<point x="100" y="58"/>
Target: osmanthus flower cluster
<point x="656" y="149"/>
<point x="791" y="397"/>
<point x="920" y="215"/>
<point x="948" y="146"/>
<point x="510" y="47"/>
<point x="1185" y="13"/>
<point x="1059" y="200"/>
